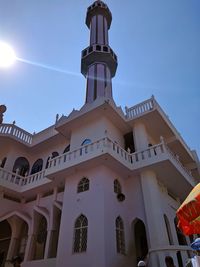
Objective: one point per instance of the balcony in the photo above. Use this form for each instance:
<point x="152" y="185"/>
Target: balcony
<point x="19" y="183"/>
<point x="140" y="109"/>
<point x="158" y="158"/>
<point x="16" y="133"/>
<point x="149" y="158"/>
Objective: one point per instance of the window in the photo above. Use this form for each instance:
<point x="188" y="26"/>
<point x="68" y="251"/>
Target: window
<point x="80" y="234"/>
<point x="86" y="142"/>
<point x="37" y="166"/>
<point x="67" y="149"/>
<point x="117" y="187"/>
<point x="120" y="240"/>
<point x="83" y="185"/>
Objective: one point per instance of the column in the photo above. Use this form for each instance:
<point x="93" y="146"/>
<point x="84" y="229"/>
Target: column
<point x="140" y="137"/>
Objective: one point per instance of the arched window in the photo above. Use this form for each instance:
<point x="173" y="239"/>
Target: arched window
<point x="83" y="185"/>
<point x="67" y="149"/>
<point x="3" y="162"/>
<point x="86" y="142"/>
<point x="54" y="154"/>
<point x="120" y="239"/>
<point x="37" y="166"/>
<point x="21" y="166"/>
<point x="169" y="233"/>
<point x="117" y="187"/>
<point x="47" y="163"/>
<point x="80" y="234"/>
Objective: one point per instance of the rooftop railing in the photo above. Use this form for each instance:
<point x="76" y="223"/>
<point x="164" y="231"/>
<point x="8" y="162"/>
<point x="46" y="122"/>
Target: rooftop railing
<point x="140" y="108"/>
<point x="16" y="132"/>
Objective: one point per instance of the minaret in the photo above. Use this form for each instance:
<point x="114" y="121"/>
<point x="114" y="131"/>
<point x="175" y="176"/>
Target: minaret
<point x="99" y="62"/>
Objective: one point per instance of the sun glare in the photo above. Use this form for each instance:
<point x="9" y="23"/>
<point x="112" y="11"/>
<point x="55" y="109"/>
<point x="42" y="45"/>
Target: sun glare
<point x="7" y="55"/>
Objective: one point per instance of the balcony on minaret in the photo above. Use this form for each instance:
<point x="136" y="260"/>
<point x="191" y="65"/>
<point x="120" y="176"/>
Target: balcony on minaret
<point x="98" y="53"/>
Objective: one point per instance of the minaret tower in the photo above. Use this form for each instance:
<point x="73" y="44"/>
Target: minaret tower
<point x="99" y="62"/>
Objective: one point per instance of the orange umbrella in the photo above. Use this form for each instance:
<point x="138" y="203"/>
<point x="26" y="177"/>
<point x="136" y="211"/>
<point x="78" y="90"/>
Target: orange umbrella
<point x="189" y="213"/>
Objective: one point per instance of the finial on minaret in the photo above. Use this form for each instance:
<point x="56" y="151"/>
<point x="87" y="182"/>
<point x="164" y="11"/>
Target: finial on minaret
<point x="99" y="62"/>
<point x="2" y="110"/>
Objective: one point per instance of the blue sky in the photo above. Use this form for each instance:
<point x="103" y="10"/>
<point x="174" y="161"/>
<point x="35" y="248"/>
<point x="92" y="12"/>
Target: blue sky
<point x="157" y="43"/>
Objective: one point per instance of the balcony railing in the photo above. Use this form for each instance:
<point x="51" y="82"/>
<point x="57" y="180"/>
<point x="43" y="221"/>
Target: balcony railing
<point x="16" y="133"/>
<point x="21" y="183"/>
<point x="134" y="161"/>
<point x="140" y="108"/>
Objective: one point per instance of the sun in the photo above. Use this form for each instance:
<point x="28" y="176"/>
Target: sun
<point x="7" y="55"/>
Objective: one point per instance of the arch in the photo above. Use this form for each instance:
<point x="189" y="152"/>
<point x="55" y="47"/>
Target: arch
<point x="20" y="227"/>
<point x="40" y="227"/>
<point x="2" y="164"/>
<point x="47" y="162"/>
<point x="117" y="187"/>
<point x="25" y="217"/>
<point x="21" y="166"/>
<point x="180" y="236"/>
<point x="86" y="142"/>
<point x="141" y="246"/>
<point x="37" y="166"/>
<point x="120" y="237"/>
<point x="83" y="185"/>
<point x="54" y="154"/>
<point x="80" y="234"/>
<point x="168" y="228"/>
<point x="67" y="149"/>
<point x="44" y="212"/>
<point x="55" y="226"/>
<point x="5" y="237"/>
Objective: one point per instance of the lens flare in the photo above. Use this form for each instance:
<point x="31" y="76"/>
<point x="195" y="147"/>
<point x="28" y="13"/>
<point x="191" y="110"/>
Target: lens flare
<point x="7" y="55"/>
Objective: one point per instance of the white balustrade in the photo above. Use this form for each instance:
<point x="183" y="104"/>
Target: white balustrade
<point x="10" y="177"/>
<point x="34" y="178"/>
<point x="18" y="181"/>
<point x="105" y="145"/>
<point x="140" y="108"/>
<point x="16" y="132"/>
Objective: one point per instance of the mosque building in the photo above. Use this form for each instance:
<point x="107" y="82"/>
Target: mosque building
<point x="101" y="186"/>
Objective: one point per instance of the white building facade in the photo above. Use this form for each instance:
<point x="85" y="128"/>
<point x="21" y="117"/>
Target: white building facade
<point x="101" y="187"/>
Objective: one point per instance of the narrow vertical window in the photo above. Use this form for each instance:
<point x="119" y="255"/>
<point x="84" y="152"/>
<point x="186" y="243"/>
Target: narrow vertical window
<point x="120" y="239"/>
<point x="83" y="185"/>
<point x="80" y="234"/>
<point x="117" y="187"/>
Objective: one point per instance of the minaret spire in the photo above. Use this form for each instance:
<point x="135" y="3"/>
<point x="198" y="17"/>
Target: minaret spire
<point x="99" y="62"/>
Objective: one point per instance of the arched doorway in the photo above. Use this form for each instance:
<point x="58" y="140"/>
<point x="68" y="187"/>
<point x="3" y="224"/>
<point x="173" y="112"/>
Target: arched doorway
<point x="40" y="236"/>
<point x="21" y="166"/>
<point x="5" y="237"/>
<point x="140" y="238"/>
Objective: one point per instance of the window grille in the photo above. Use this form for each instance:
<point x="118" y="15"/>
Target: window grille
<point x="120" y="239"/>
<point x="83" y="185"/>
<point x="117" y="187"/>
<point x="42" y="231"/>
<point x="80" y="234"/>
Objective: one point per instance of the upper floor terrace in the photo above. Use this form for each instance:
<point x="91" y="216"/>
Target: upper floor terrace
<point x="159" y="158"/>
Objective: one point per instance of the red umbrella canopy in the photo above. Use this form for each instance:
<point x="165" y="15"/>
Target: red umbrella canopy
<point x="189" y="213"/>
